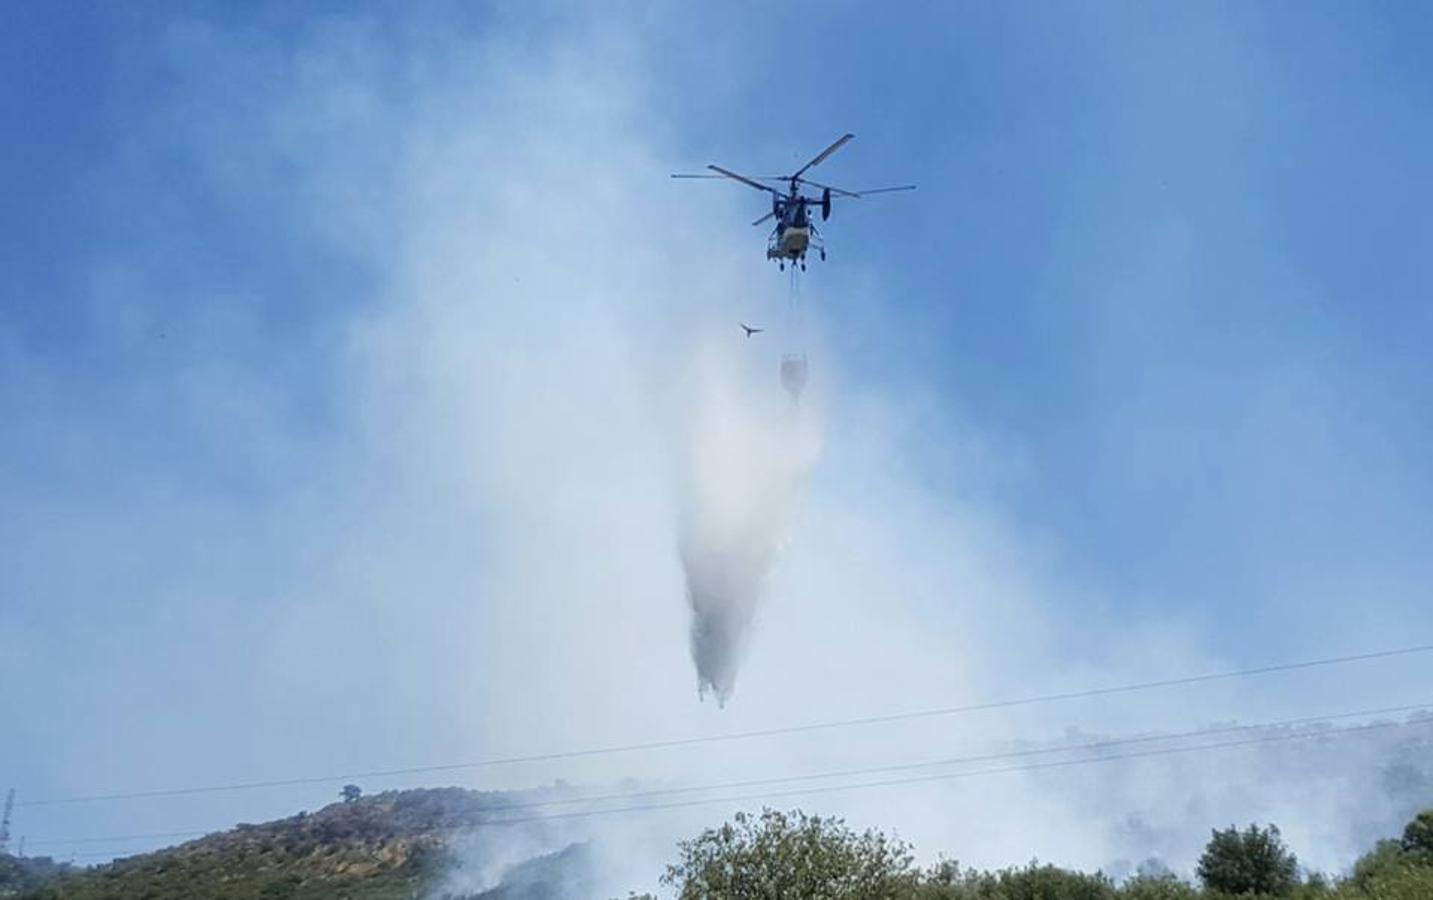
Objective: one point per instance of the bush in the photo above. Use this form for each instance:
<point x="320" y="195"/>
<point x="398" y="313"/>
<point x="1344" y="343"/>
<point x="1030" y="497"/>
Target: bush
<point x="1384" y="858"/>
<point x="1157" y="887"/>
<point x="1253" y="861"/>
<point x="1035" y="882"/>
<point x="1409" y="882"/>
<point x="947" y="881"/>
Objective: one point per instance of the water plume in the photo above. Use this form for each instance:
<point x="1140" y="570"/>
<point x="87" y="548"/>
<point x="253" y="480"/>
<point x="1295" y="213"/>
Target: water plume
<point x="746" y="452"/>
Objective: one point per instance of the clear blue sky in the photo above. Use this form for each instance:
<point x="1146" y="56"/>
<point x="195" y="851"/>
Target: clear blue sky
<point x="1172" y="261"/>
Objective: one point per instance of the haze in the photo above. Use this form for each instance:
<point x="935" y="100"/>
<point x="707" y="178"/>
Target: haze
<point x="366" y="384"/>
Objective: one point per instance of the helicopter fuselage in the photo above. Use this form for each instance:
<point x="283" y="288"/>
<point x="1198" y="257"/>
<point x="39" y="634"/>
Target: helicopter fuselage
<point x="788" y="242"/>
<point x="792" y="236"/>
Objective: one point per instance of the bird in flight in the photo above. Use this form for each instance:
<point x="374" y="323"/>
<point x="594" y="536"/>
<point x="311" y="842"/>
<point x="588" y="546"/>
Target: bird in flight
<point x="749" y="330"/>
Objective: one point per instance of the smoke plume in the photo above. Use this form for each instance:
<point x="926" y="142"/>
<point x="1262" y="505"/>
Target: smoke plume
<point x="746" y="449"/>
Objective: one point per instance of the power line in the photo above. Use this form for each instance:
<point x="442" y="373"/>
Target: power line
<point x="740" y="735"/>
<point x="151" y="836"/>
<point x="949" y="776"/>
<point x="1087" y="746"/>
<point x="764" y="796"/>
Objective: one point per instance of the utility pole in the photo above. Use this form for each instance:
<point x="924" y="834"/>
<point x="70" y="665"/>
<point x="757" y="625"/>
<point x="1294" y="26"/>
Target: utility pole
<point x="5" y="822"/>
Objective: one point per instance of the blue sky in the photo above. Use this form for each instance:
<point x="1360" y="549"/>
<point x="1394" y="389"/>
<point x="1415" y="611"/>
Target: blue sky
<point x="1158" y="309"/>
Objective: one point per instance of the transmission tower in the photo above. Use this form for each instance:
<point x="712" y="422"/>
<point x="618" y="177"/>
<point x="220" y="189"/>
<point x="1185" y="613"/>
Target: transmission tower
<point x="5" y="822"/>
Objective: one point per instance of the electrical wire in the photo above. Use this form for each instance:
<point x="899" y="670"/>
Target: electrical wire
<point x="1105" y="744"/>
<point x="740" y="735"/>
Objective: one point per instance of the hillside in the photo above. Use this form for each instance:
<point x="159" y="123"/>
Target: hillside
<point x="384" y="847"/>
<point x="29" y="873"/>
<point x="421" y="844"/>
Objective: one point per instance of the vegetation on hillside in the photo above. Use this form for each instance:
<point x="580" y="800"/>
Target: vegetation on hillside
<point x="398" y="845"/>
<point x="779" y="854"/>
<point x="28" y="873"/>
<point x="375" y="848"/>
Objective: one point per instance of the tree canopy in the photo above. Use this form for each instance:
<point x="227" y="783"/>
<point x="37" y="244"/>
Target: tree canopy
<point x="780" y="854"/>
<point x="1253" y="861"/>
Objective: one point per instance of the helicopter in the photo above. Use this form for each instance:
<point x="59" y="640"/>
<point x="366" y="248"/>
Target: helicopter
<point x="796" y="232"/>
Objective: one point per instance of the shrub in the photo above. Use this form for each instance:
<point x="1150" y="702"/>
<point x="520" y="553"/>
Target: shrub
<point x="947" y="881"/>
<point x="1037" y="882"/>
<point x="1385" y="857"/>
<point x="1409" y="882"/>
<point x="1164" y="886"/>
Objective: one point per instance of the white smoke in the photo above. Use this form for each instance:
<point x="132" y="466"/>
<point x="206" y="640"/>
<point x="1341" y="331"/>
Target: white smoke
<point x="746" y="451"/>
<point x="490" y="561"/>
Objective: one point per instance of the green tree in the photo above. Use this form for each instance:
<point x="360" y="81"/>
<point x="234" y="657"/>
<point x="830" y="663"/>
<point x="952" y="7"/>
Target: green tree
<point x="1253" y="861"/>
<point x="350" y="793"/>
<point x="1418" y="836"/>
<point x="780" y="854"/>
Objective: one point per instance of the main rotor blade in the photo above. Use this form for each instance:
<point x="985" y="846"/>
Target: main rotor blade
<point x="840" y="142"/>
<point x="770" y="215"/>
<point x="744" y="180"/>
<point x="778" y="178"/>
<point x="826" y="187"/>
<point x="886" y="190"/>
